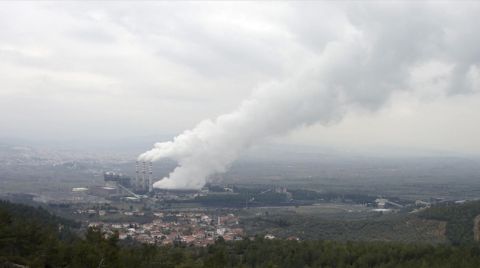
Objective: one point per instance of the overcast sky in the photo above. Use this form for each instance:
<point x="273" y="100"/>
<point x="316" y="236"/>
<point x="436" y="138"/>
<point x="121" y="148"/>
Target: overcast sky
<point x="98" y="70"/>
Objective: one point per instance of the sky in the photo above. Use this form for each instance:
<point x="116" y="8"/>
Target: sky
<point x="119" y="70"/>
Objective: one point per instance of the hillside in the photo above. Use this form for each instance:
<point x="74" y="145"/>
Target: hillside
<point x="32" y="237"/>
<point x="460" y="219"/>
<point x="395" y="227"/>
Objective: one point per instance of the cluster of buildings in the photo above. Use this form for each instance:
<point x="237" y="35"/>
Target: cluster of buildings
<point x="117" y="184"/>
<point x="191" y="228"/>
<point x="105" y="212"/>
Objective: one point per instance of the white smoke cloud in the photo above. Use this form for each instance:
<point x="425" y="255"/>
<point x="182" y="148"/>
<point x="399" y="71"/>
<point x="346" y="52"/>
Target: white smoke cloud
<point x="362" y="67"/>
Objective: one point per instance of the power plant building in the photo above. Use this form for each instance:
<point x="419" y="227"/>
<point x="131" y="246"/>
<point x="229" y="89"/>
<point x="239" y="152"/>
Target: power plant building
<point x="143" y="176"/>
<point x="112" y="179"/>
<point x="125" y="185"/>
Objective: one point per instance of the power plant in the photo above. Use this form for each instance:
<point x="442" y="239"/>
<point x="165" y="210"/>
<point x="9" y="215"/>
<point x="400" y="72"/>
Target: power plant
<point x="117" y="184"/>
<point x="143" y="177"/>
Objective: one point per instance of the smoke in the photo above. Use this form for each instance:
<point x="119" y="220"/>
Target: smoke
<point x="360" y="68"/>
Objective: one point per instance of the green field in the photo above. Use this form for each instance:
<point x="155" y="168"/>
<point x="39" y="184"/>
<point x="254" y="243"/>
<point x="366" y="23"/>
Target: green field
<point x="343" y="223"/>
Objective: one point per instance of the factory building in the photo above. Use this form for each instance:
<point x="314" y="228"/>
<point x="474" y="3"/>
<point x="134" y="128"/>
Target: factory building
<point x="112" y="179"/>
<point x="125" y="185"/>
<point x="115" y="184"/>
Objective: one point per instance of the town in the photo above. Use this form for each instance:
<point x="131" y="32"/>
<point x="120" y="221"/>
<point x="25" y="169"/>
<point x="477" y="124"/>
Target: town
<point x="191" y="228"/>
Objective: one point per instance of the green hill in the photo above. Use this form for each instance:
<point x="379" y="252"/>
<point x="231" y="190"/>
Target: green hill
<point x="459" y="218"/>
<point x="32" y="237"/>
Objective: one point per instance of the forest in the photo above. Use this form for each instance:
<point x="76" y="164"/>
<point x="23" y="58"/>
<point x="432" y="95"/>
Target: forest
<point x="459" y="218"/>
<point x="34" y="238"/>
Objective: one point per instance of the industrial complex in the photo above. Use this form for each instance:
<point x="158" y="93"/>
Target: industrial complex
<point x="121" y="185"/>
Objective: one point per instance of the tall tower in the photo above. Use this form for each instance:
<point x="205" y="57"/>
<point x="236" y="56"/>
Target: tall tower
<point x="144" y="176"/>
<point x="137" y="177"/>
<point x="150" y="178"/>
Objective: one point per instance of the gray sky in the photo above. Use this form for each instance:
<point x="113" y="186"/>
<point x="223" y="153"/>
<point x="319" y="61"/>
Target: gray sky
<point x="94" y="70"/>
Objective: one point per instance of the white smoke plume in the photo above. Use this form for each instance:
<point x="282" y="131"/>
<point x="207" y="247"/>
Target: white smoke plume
<point x="362" y="67"/>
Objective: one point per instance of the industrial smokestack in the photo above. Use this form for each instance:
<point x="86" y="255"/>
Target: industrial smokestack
<point x="136" y="174"/>
<point x="144" y="172"/>
<point x="150" y="177"/>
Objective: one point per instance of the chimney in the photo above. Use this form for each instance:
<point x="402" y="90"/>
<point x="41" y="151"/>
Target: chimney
<point x="144" y="172"/>
<point x="136" y="174"/>
<point x="150" y="177"/>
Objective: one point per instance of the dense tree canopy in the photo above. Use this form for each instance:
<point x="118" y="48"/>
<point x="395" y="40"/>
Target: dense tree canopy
<point x="37" y="239"/>
<point x="459" y="218"/>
